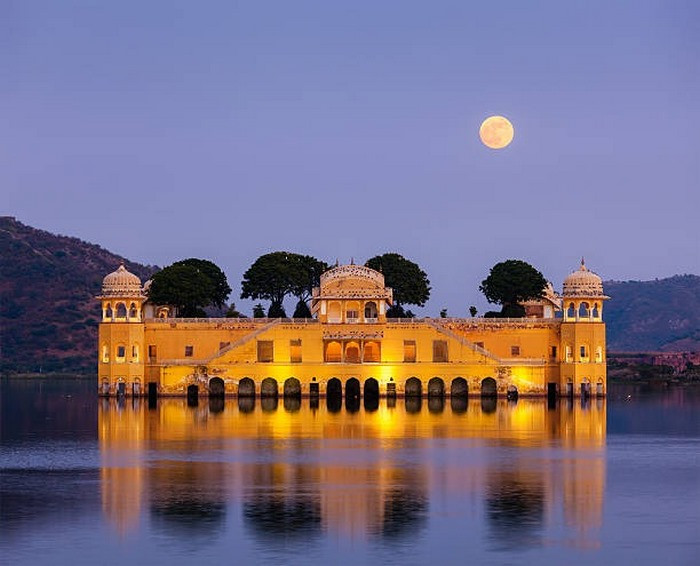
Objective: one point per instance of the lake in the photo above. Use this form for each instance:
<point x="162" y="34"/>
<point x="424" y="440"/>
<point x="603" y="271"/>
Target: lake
<point x="88" y="480"/>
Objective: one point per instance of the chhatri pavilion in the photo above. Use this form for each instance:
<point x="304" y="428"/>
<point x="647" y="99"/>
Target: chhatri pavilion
<point x="351" y="348"/>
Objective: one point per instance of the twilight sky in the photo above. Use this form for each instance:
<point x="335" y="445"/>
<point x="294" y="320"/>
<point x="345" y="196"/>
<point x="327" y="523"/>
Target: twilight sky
<point x="225" y="130"/>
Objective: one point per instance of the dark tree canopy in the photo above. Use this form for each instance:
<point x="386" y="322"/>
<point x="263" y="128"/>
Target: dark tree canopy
<point x="276" y="310"/>
<point x="302" y="310"/>
<point x="258" y="311"/>
<point x="275" y="275"/>
<point x="409" y="282"/>
<point x="190" y="285"/>
<point x="510" y="283"/>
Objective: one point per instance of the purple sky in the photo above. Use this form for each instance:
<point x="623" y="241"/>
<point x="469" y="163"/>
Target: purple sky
<point x="224" y="130"/>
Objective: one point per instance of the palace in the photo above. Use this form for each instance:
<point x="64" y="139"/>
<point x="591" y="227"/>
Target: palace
<point x="351" y="348"/>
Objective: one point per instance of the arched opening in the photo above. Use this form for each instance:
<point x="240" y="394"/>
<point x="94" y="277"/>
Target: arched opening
<point x="489" y="387"/>
<point x="371" y="352"/>
<point x="105" y="386"/>
<point x="599" y="391"/>
<point x="352" y="353"/>
<point x="105" y="353"/>
<point x="370" y="311"/>
<point x="596" y="311"/>
<point x="459" y="387"/>
<point x="292" y="388"/>
<point x="108" y="312"/>
<point x="599" y="354"/>
<point x="133" y="312"/>
<point x="136" y="387"/>
<point x="334" y="352"/>
<point x="413" y="387"/>
<point x="246" y="387"/>
<point x="334" y="312"/>
<point x="192" y="395"/>
<point x="268" y="387"/>
<point x="436" y="387"/>
<point x="334" y="388"/>
<point x="352" y="311"/>
<point x="512" y="393"/>
<point x="216" y="387"/>
<point x="585" y="388"/>
<point x="121" y="353"/>
<point x="371" y="394"/>
<point x="121" y="310"/>
<point x="571" y="311"/>
<point x="352" y="388"/>
<point x="135" y="353"/>
<point x="584" y="310"/>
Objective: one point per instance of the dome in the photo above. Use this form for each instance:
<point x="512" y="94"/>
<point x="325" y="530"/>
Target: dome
<point x="121" y="283"/>
<point x="583" y="283"/>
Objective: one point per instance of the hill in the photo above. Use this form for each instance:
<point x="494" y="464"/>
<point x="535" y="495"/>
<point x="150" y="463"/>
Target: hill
<point x="48" y="312"/>
<point x="660" y="315"/>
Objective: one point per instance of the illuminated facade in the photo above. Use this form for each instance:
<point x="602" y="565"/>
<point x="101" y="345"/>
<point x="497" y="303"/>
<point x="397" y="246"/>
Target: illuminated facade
<point x="350" y="347"/>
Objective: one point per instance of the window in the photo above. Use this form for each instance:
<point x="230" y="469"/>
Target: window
<point x="189" y="350"/>
<point x="265" y="350"/>
<point x="568" y="355"/>
<point x="585" y="353"/>
<point x="105" y="354"/>
<point x="152" y="352"/>
<point x="370" y="311"/>
<point x="108" y="313"/>
<point x="351" y="315"/>
<point x="515" y="350"/>
<point x="121" y="353"/>
<point x="599" y="354"/>
<point x="352" y="353"/>
<point x="121" y="310"/>
<point x="135" y="353"/>
<point x="295" y="351"/>
<point x="371" y="352"/>
<point x="133" y="313"/>
<point x="440" y="351"/>
<point x="554" y="352"/>
<point x="409" y="351"/>
<point x="571" y="311"/>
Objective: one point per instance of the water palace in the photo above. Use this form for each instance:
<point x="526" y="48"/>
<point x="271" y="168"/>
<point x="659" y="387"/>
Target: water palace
<point x="351" y="348"/>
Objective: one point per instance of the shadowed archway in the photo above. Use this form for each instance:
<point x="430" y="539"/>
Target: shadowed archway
<point x="459" y="387"/>
<point x="246" y="387"/>
<point x="216" y="387"/>
<point x="489" y="387"/>
<point x="436" y="387"/>
<point x="292" y="387"/>
<point x="268" y="387"/>
<point x="371" y="394"/>
<point x="413" y="387"/>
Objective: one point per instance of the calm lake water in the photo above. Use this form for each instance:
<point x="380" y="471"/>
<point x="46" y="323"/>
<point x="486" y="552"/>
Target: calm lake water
<point x="85" y="480"/>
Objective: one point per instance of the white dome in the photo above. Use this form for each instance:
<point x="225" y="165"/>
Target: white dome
<point x="583" y="283"/>
<point x="121" y="283"/>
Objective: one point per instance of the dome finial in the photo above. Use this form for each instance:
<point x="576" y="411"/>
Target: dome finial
<point x="352" y="261"/>
<point x="583" y="264"/>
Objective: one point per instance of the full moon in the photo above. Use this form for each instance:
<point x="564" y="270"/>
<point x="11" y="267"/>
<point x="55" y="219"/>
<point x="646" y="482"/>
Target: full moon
<point x="496" y="132"/>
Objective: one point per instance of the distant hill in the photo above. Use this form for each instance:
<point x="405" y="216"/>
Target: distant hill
<point x="49" y="316"/>
<point x="48" y="312"/>
<point x="660" y="315"/>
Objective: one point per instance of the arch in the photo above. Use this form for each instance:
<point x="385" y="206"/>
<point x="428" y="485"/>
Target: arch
<point x="459" y="387"/>
<point x="246" y="387"/>
<point x="109" y="313"/>
<point x="292" y="387"/>
<point x="352" y="352"/>
<point x="596" y="311"/>
<point x="334" y="312"/>
<point x="489" y="387"/>
<point x="352" y="311"/>
<point x="135" y="353"/>
<point x="599" y="388"/>
<point x="334" y="352"/>
<point x="269" y="387"/>
<point x="571" y="311"/>
<point x="133" y="312"/>
<point x="105" y="353"/>
<point x="121" y="311"/>
<point x="370" y="310"/>
<point x="371" y="388"/>
<point x="436" y="387"/>
<point x="192" y="395"/>
<point x="372" y="351"/>
<point x="216" y="387"/>
<point x="334" y="387"/>
<point x="120" y="354"/>
<point x="352" y="388"/>
<point x="413" y="387"/>
<point x="599" y="354"/>
<point x="584" y="310"/>
<point x="105" y="386"/>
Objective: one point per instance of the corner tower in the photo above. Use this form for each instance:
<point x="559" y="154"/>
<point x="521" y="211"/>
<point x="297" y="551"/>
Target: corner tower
<point x="583" y="369"/>
<point x="121" y="332"/>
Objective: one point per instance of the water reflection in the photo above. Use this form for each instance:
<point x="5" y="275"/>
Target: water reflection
<point x="298" y="468"/>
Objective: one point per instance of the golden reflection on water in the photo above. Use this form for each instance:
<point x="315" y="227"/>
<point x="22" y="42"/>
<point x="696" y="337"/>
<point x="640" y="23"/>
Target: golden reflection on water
<point x="294" y="469"/>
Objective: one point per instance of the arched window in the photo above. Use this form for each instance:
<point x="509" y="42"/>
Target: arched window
<point x="372" y="352"/>
<point x="121" y="310"/>
<point x="133" y="312"/>
<point x="121" y="353"/>
<point x="352" y="353"/>
<point x="135" y="353"/>
<point x="568" y="356"/>
<point x="584" y="310"/>
<point x="571" y="312"/>
<point x="599" y="354"/>
<point x="334" y="312"/>
<point x="105" y="353"/>
<point x="370" y="311"/>
<point x="333" y="352"/>
<point x="596" y="311"/>
<point x="108" y="312"/>
<point x="584" y="353"/>
<point x="352" y="311"/>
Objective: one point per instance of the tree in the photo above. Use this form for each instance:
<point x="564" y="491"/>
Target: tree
<point x="275" y="275"/>
<point x="232" y="312"/>
<point x="472" y="311"/>
<point x="302" y="310"/>
<point x="443" y="313"/>
<point x="511" y="282"/>
<point x="190" y="285"/>
<point x="409" y="282"/>
<point x="258" y="311"/>
<point x="276" y="310"/>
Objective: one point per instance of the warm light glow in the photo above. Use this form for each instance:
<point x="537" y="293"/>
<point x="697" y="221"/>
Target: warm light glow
<point x="496" y="132"/>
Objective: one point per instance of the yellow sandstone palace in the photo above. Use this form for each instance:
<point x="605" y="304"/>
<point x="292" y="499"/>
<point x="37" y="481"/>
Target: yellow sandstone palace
<point x="351" y="348"/>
